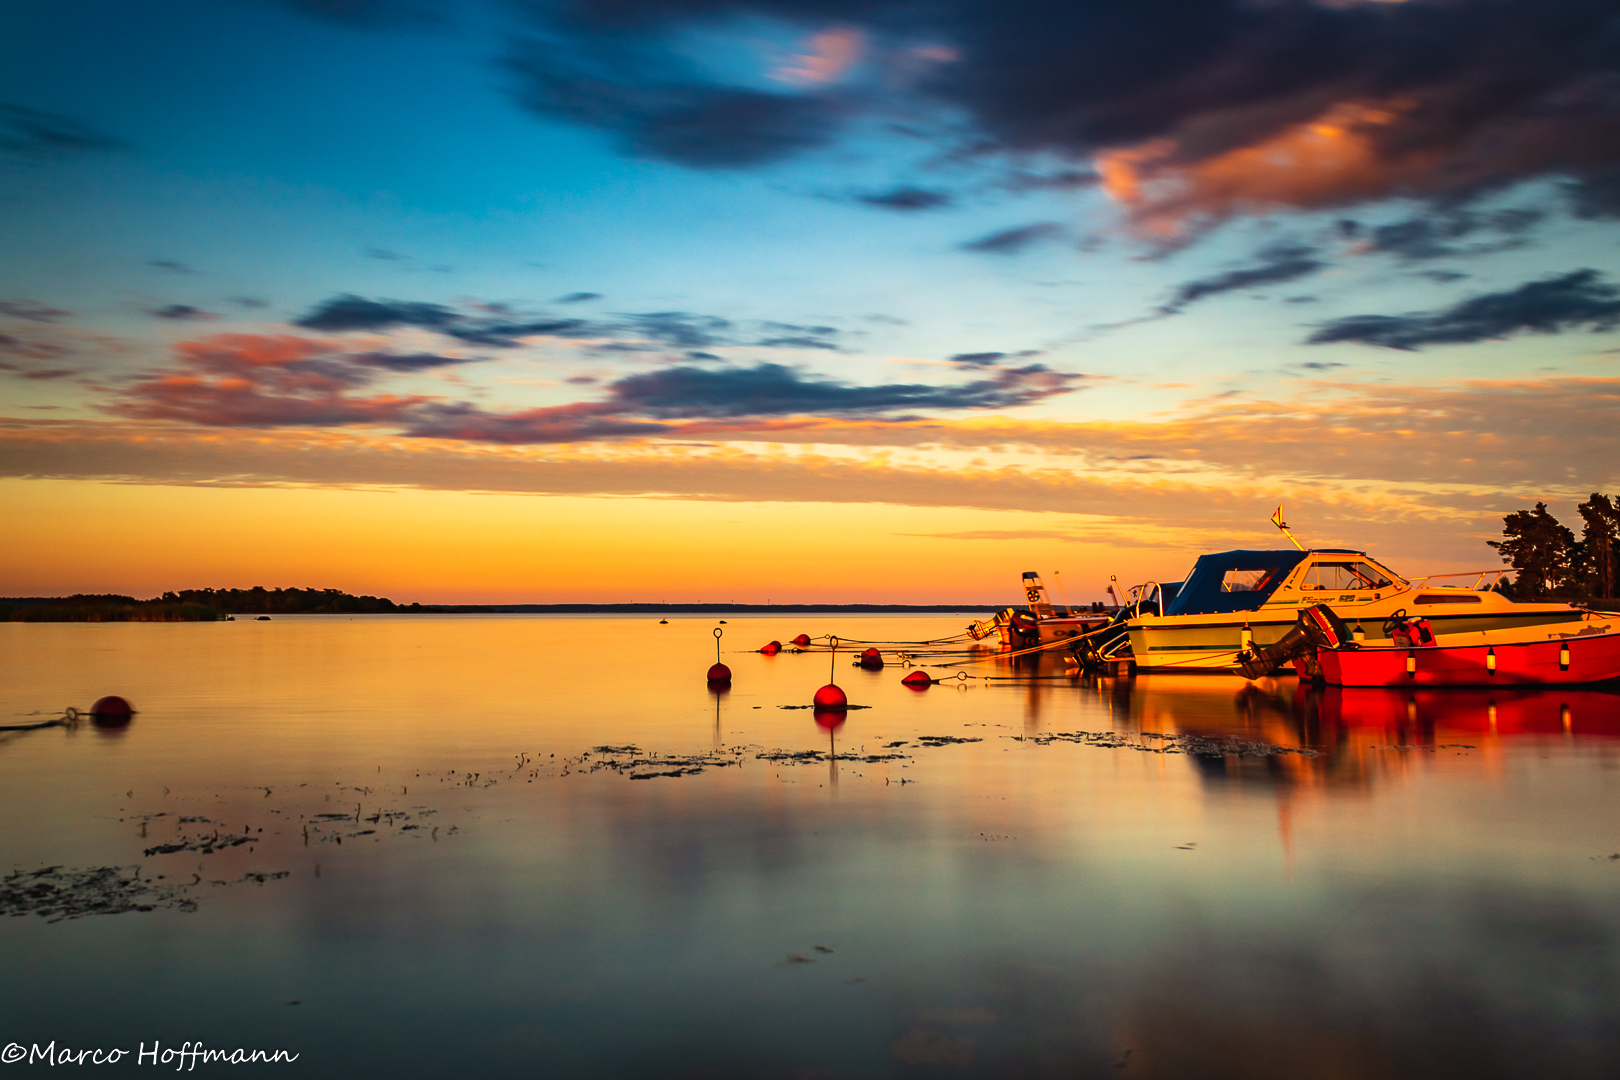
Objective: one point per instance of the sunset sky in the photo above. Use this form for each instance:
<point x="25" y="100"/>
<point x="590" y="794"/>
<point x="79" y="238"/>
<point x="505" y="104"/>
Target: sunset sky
<point x="793" y="300"/>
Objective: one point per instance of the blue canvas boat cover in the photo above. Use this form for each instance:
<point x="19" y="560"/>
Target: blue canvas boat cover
<point x="1233" y="581"/>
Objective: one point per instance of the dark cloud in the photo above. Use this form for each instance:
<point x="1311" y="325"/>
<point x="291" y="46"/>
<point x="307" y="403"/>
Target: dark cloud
<point x="506" y="335"/>
<point x="1012" y="241"/>
<point x="582" y="380"/>
<point x="411" y="362"/>
<point x="384" y="254"/>
<point x="906" y="199"/>
<point x="31" y="310"/>
<point x="350" y="312"/>
<point x="250" y="302"/>
<point x="1442" y="277"/>
<point x="682" y="328"/>
<point x="699" y="354"/>
<point x="1235" y="101"/>
<point x="1283" y="263"/>
<point x="183" y="313"/>
<point x="52" y="373"/>
<point x="35" y="132"/>
<point x="1434" y="236"/>
<point x="1596" y="196"/>
<point x="791" y="336"/>
<point x="170" y="265"/>
<point x="660" y="108"/>
<point x="775" y="390"/>
<point x="578" y="297"/>
<point x="1550" y="306"/>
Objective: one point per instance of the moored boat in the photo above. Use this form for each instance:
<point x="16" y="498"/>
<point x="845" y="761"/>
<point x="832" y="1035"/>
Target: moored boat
<point x="1235" y="601"/>
<point x="1514" y="656"/>
<point x="1040" y="623"/>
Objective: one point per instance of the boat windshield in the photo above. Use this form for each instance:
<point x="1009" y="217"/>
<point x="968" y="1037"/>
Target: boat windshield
<point x="1345" y="576"/>
<point x="1233" y="581"/>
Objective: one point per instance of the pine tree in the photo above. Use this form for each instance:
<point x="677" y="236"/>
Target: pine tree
<point x="1539" y="548"/>
<point x="1599" y="542"/>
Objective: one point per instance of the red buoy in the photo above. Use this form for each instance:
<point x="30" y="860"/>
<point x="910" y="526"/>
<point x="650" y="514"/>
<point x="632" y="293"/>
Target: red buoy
<point x="873" y="659"/>
<point x="830" y="697"/>
<point x="719" y="673"/>
<point x="111" y="711"/>
<point x="772" y="648"/>
<point x="918" y="680"/>
<point x="802" y="641"/>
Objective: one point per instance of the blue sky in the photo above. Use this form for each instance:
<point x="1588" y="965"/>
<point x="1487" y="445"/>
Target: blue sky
<point x="1134" y="259"/>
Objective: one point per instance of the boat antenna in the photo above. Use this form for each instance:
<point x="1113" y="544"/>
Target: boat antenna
<point x="1277" y="520"/>
<point x="1067" y="607"/>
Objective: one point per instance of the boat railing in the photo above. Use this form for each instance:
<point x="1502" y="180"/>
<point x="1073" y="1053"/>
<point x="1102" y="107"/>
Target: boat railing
<point x="1484" y="580"/>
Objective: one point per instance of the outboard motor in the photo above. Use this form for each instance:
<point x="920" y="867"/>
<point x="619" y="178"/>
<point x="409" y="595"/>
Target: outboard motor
<point x="1316" y="626"/>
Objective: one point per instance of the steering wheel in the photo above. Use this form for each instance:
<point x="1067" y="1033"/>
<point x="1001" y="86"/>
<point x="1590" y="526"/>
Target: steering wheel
<point x="1393" y="621"/>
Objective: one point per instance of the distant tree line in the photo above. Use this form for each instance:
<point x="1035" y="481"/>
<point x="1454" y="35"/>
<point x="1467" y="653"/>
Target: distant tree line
<point x="1551" y="562"/>
<point x="198" y="605"/>
<point x="261" y="601"/>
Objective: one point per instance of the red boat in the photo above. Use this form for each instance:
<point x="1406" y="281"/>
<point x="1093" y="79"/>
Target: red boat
<point x="1521" y="656"/>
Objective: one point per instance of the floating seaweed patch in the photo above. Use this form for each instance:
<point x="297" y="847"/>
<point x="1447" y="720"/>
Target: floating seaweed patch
<point x="1201" y="745"/>
<point x="56" y="894"/>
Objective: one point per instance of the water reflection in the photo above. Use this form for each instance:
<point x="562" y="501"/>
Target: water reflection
<point x="1405" y="884"/>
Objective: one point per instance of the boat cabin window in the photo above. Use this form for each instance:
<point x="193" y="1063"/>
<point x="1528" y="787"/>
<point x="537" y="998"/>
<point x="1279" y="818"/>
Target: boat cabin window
<point x="1349" y="576"/>
<point x="1245" y="580"/>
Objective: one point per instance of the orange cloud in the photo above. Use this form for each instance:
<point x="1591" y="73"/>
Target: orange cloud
<point x="1332" y="160"/>
<point x="832" y="53"/>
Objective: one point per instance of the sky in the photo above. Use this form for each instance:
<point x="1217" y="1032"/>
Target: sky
<point x="794" y="301"/>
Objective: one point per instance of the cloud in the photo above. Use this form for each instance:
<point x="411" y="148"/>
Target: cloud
<point x="1597" y="196"/>
<point x="561" y="424"/>
<point x="832" y="53"/>
<point x="682" y="328"/>
<point x="1013" y="241"/>
<point x="991" y="359"/>
<point x="659" y="108"/>
<point x="1283" y="263"/>
<point x="50" y="373"/>
<point x="384" y="254"/>
<point x="171" y="265"/>
<point x="256" y="380"/>
<point x="578" y="297"/>
<point x="267" y="381"/>
<point x="1192" y="110"/>
<point x="411" y="362"/>
<point x="791" y="336"/>
<point x="1433" y="236"/>
<point x="1550" y="306"/>
<point x="36" y="133"/>
<point x="183" y="313"/>
<point x="906" y="199"/>
<point x="31" y="310"/>
<point x="350" y="312"/>
<point x="774" y="390"/>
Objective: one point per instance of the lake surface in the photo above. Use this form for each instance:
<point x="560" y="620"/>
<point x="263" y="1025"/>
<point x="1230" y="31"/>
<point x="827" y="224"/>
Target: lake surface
<point x="1171" y="876"/>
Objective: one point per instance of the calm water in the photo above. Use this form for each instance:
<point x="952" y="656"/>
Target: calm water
<point x="1435" y="893"/>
